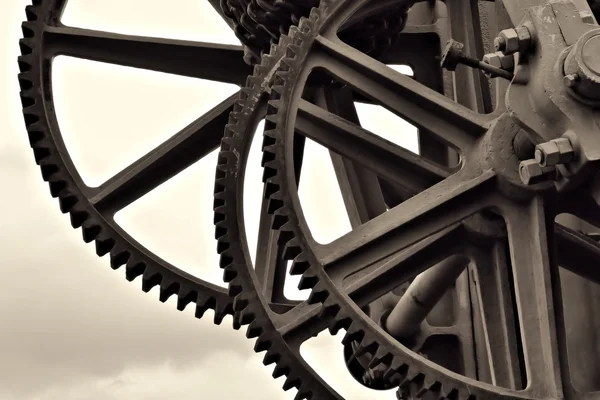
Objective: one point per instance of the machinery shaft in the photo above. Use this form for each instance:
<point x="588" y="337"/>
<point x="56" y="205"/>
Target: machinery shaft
<point x="422" y="295"/>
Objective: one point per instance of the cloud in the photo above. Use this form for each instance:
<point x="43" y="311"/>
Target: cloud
<point x="221" y="376"/>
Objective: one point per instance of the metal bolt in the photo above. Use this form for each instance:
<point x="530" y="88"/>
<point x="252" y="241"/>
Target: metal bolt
<point x="493" y="59"/>
<point x="454" y="54"/>
<point x="511" y="41"/>
<point x="554" y="152"/>
<point x="500" y="44"/>
<point x="532" y="173"/>
<point x="499" y="60"/>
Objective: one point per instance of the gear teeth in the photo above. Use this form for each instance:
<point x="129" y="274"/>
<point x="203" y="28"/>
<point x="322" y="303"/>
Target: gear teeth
<point x="299" y="266"/>
<point x="250" y="310"/>
<point x="254" y="330"/>
<point x="303" y="394"/>
<point x="167" y="289"/>
<point x="396" y="372"/>
<point x="271" y="357"/>
<point x="246" y="317"/>
<point x="291" y="381"/>
<point x="78" y="218"/>
<point x="67" y="203"/>
<point x="292" y="249"/>
<point x="133" y="269"/>
<point x="221" y="311"/>
<point x="281" y="369"/>
<point x="185" y="297"/>
<point x="240" y="303"/>
<point x="353" y="334"/>
<point x="319" y="294"/>
<point x="367" y="346"/>
<point x="308" y="281"/>
<point x="90" y="231"/>
<point x="118" y="257"/>
<point x="381" y="356"/>
<point x="235" y="287"/>
<point x="330" y="309"/>
<point x="203" y="304"/>
<point x="150" y="279"/>
<point x="263" y="343"/>
<point x="229" y="275"/>
<point x="340" y="321"/>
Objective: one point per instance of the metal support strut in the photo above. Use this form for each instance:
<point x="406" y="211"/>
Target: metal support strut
<point x="423" y="294"/>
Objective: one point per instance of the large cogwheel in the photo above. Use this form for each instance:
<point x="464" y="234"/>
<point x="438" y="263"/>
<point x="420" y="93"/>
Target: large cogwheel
<point x="258" y="24"/>
<point x="451" y="208"/>
<point x="93" y="209"/>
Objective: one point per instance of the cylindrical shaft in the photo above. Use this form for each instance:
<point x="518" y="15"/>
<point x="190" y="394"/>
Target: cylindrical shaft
<point x="422" y="295"/>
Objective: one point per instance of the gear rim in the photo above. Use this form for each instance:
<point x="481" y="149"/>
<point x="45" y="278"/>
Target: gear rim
<point x="65" y="184"/>
<point x="289" y="225"/>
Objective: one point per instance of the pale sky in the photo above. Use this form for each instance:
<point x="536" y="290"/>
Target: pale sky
<point x="73" y="329"/>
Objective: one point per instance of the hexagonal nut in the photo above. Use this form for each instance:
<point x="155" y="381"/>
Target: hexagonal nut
<point x="567" y="152"/>
<point x="554" y="152"/>
<point x="493" y="59"/>
<point x="507" y="61"/>
<point x="532" y="173"/>
<point x="547" y="154"/>
<point x="509" y="40"/>
<point x="524" y="38"/>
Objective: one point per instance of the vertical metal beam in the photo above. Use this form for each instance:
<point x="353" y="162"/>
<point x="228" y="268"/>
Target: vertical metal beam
<point x="360" y="187"/>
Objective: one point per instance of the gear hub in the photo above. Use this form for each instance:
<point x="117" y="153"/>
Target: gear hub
<point x="582" y="66"/>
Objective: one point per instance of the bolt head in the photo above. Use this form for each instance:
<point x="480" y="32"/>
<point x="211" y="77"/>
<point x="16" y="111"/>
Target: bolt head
<point x="532" y="173"/>
<point x="508" y="61"/>
<point x="493" y="59"/>
<point x="540" y="157"/>
<point x="548" y="154"/>
<point x="554" y="152"/>
<point x="499" y="44"/>
<point x="510" y="38"/>
<point x="452" y="55"/>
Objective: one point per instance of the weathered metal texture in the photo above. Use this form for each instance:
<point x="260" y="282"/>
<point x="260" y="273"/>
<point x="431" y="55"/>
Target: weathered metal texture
<point x="520" y="328"/>
<point x="93" y="208"/>
<point x="393" y="247"/>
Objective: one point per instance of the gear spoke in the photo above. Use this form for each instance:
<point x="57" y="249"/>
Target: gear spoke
<point x="425" y="214"/>
<point x="360" y="188"/>
<point x="165" y="161"/>
<point x="365" y="283"/>
<point x="423" y="107"/>
<point x="212" y="61"/>
<point x="302" y="322"/>
<point x="495" y="303"/>
<point x="535" y="275"/>
<point x="387" y="159"/>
